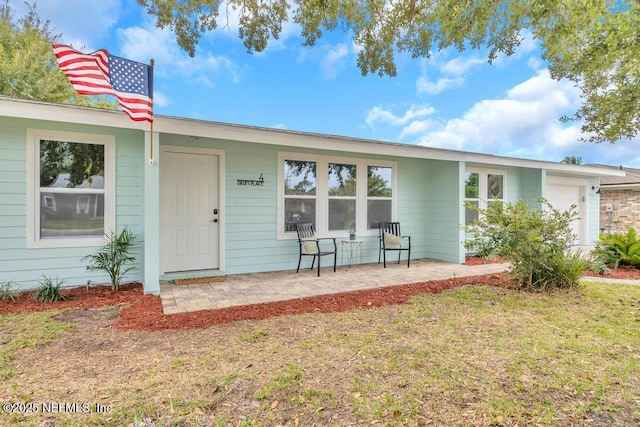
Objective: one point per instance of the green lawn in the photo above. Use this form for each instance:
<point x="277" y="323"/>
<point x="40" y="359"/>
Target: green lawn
<point x="472" y="356"/>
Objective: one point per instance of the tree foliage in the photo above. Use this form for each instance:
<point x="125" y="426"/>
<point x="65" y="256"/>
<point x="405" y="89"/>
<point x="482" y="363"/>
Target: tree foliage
<point x="593" y="43"/>
<point x="28" y="67"/>
<point x="572" y="160"/>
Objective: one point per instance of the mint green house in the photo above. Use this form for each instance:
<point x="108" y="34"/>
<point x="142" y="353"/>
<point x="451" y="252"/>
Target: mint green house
<point x="208" y="198"/>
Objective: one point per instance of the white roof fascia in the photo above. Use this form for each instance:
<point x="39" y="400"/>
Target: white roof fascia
<point x="37" y="110"/>
<point x="605" y="187"/>
<point x="29" y="109"/>
<point x="289" y="138"/>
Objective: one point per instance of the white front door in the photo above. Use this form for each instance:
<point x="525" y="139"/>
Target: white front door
<point x="189" y="216"/>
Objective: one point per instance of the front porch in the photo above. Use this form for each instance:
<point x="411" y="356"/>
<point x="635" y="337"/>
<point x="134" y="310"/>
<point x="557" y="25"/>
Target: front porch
<point x="255" y="288"/>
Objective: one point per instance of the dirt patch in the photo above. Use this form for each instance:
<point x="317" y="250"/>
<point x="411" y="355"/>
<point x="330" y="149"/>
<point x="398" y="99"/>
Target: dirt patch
<point x="476" y="260"/>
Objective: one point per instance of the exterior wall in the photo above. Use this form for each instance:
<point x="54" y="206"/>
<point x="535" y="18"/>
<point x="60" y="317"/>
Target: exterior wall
<point x="251" y="239"/>
<point x="625" y="210"/>
<point x="525" y="184"/>
<point x="25" y="266"/>
<point x="428" y="202"/>
<point x="413" y="204"/>
<point x="445" y="211"/>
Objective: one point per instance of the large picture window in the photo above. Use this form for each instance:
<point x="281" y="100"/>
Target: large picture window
<point x="70" y="189"/>
<point x="336" y="195"/>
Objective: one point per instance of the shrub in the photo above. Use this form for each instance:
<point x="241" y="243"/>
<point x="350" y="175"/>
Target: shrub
<point x="113" y="256"/>
<point x="536" y="242"/>
<point x="618" y="249"/>
<point x="7" y="291"/>
<point x="49" y="290"/>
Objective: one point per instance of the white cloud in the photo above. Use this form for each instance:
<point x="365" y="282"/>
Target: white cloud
<point x="451" y="72"/>
<point x="379" y="114"/>
<point x="524" y="123"/>
<point x="416" y="127"/>
<point x="84" y="27"/>
<point x="160" y="99"/>
<point x="144" y="43"/>
<point x="461" y="65"/>
<point x="334" y="59"/>
<point x="424" y="85"/>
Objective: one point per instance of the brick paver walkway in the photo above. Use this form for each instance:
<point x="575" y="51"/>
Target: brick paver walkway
<point x="243" y="289"/>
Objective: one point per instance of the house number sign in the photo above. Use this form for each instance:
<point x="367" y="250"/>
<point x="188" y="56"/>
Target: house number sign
<point x="252" y="182"/>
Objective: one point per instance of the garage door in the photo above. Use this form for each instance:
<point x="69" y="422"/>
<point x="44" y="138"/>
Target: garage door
<point x="561" y="197"/>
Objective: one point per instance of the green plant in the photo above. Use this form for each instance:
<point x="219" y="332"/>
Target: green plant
<point x="49" y="290"/>
<point x="113" y="256"/>
<point x="7" y="290"/>
<point x="618" y="249"/>
<point x="536" y="241"/>
<point x="598" y="265"/>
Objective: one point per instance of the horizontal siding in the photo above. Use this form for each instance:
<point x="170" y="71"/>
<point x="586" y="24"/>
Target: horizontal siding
<point x="411" y="211"/>
<point x="12" y="197"/>
<point x="26" y="267"/>
<point x="444" y="211"/>
<point x="252" y="211"/>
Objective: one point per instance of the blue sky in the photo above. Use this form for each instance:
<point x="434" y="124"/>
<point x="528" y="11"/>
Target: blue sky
<point x="451" y="100"/>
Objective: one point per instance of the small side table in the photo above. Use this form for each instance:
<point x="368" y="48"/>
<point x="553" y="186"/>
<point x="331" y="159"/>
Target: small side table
<point x="353" y="251"/>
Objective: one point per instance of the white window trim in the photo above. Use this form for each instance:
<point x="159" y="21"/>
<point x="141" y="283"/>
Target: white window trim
<point x="33" y="183"/>
<point x="483" y="184"/>
<point x="322" y="192"/>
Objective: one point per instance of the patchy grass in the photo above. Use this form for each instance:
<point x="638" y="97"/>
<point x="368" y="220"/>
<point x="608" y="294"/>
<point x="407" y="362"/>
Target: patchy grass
<point x="472" y="356"/>
<point x="25" y="331"/>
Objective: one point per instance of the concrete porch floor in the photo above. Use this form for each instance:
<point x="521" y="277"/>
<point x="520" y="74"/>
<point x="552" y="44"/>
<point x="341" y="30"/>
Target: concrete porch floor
<point x="255" y="288"/>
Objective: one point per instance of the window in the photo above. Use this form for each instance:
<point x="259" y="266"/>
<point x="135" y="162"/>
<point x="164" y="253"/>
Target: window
<point x="299" y="193"/>
<point x="379" y="195"/>
<point x="481" y="189"/>
<point x="70" y="182"/>
<point x="342" y="196"/>
<point x="471" y="195"/>
<point x="334" y="194"/>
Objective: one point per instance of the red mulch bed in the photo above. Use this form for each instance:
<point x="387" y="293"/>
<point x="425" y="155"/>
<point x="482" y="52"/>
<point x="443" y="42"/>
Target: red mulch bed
<point x="144" y="312"/>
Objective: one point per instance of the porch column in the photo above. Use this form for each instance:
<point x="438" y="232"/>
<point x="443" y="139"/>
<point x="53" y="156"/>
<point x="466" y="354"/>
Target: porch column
<point x="462" y="174"/>
<point x="151" y="261"/>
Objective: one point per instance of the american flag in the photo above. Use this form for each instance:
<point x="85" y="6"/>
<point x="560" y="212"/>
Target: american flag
<point x="100" y="73"/>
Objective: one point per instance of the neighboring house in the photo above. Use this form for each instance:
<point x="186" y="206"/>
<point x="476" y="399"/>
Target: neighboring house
<point x="209" y="198"/>
<point x="61" y="203"/>
<point x="619" y="200"/>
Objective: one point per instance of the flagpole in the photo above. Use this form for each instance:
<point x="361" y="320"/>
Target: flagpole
<point x="151" y="64"/>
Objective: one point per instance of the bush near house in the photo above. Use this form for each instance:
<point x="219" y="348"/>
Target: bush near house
<point x="535" y="241"/>
<point x="618" y="249"/>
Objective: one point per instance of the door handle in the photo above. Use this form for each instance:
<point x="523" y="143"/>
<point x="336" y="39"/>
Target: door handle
<point x="214" y="220"/>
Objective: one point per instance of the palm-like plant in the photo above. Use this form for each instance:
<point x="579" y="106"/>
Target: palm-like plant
<point x="113" y="256"/>
<point x="619" y="248"/>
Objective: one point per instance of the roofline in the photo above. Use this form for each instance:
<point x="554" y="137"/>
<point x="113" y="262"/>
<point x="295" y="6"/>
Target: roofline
<point x="605" y="187"/>
<point x="64" y="113"/>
